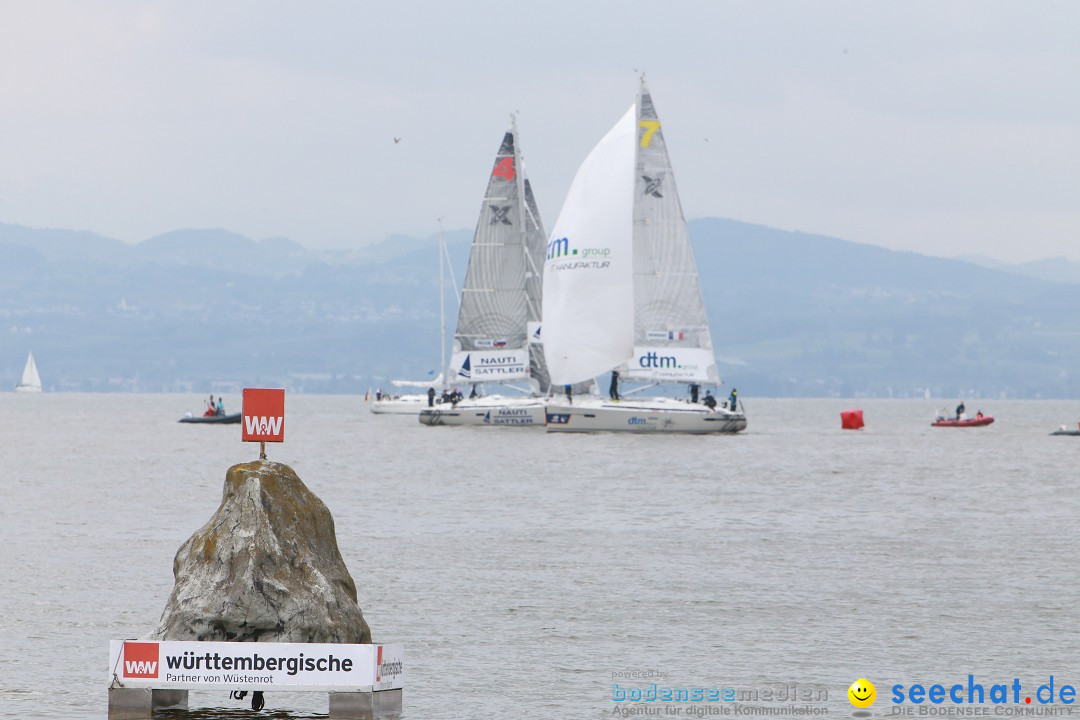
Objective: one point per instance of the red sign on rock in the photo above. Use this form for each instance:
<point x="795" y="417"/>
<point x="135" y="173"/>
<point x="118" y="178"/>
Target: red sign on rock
<point x="264" y="415"/>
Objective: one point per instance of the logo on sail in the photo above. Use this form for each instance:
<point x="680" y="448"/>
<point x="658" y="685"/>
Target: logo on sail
<point x="655" y="360"/>
<point x="652" y="185"/>
<point x="686" y="364"/>
<point x="560" y="248"/>
<point x="499" y="214"/>
<point x="494" y="365"/>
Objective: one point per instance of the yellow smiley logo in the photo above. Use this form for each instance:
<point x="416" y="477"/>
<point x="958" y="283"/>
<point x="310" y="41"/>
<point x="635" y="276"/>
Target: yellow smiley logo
<point x="862" y="693"/>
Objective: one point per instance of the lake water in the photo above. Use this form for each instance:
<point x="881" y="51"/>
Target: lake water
<point x="524" y="572"/>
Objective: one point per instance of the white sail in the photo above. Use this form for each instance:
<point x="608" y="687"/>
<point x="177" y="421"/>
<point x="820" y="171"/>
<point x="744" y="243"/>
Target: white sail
<point x="671" y="333"/>
<point x="588" y="294"/>
<point x="31" y="381"/>
<point x="500" y="297"/>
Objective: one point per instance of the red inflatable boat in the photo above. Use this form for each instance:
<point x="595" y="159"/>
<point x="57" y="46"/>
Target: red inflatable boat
<point x="977" y="421"/>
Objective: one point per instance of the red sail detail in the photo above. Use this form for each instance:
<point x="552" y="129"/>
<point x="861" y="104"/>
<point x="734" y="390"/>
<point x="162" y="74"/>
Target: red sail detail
<point x="504" y="169"/>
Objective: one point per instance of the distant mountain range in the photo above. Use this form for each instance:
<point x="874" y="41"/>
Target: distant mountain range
<point x="793" y="314"/>
<point x="1058" y="270"/>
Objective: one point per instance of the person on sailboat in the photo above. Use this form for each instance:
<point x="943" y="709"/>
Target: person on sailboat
<point x="733" y="400"/>
<point x="569" y="394"/>
<point x="431" y="397"/>
<point x="613" y="391"/>
<point x="694" y="389"/>
<point x="473" y="394"/>
<point x="709" y="401"/>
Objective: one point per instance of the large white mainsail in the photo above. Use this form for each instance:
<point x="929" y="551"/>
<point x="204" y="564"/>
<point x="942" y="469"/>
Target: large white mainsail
<point x="671" y="333"/>
<point x="588" y="273"/>
<point x="500" y="303"/>
<point x="31" y="381"/>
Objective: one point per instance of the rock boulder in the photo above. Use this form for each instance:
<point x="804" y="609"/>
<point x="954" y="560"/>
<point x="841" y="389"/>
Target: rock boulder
<point x="266" y="567"/>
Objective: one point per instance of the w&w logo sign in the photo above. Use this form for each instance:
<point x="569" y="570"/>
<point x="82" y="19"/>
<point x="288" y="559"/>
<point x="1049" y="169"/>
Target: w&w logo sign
<point x="140" y="660"/>
<point x="263" y="425"/>
<point x="264" y="415"/>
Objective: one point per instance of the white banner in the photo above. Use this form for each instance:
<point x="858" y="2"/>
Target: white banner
<point x="664" y="364"/>
<point x="191" y="665"/>
<point x="490" y="365"/>
<point x="389" y="667"/>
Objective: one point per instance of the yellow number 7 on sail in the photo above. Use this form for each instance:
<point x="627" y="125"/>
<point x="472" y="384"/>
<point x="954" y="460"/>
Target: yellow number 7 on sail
<point x="651" y="126"/>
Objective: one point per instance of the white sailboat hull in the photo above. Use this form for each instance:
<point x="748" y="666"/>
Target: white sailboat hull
<point x="490" y="411"/>
<point x="645" y="415"/>
<point x="401" y="405"/>
<point x="27" y="388"/>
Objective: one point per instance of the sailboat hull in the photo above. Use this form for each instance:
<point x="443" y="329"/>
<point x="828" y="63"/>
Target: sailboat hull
<point x="491" y="411"/>
<point x="401" y="405"/>
<point x="27" y="388"/>
<point x="651" y="415"/>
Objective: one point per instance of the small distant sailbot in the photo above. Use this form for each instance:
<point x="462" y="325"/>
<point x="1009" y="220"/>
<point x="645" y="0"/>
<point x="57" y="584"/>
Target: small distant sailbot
<point x="31" y="381"/>
<point x="393" y="403"/>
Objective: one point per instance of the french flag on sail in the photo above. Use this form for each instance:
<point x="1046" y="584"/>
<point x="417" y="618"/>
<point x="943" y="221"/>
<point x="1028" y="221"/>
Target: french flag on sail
<point x="675" y="335"/>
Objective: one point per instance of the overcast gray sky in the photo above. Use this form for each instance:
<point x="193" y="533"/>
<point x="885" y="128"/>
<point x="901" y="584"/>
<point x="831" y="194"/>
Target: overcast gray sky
<point x="941" y="127"/>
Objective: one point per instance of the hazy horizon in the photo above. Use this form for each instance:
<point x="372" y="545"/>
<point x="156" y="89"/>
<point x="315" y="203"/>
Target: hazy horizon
<point x="947" y="130"/>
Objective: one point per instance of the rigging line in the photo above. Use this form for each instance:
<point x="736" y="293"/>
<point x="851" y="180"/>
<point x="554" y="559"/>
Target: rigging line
<point x="524" y="212"/>
<point x="450" y="267"/>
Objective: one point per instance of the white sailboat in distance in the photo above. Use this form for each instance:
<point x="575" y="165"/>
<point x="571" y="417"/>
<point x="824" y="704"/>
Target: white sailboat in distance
<point x="622" y="293"/>
<point x="394" y="403"/>
<point x="31" y="381"/>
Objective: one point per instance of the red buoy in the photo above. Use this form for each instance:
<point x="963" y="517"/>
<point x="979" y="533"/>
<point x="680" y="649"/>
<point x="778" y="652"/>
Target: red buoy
<point x="851" y="420"/>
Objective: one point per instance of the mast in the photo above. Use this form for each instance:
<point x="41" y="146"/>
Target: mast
<point x="442" y="303"/>
<point x="523" y="209"/>
<point x="533" y="276"/>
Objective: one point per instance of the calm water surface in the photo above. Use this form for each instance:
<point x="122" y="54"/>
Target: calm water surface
<point x="522" y="570"/>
